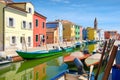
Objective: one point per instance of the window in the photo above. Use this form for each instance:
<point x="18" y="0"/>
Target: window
<point x="43" y="24"/>
<point x="36" y="21"/>
<point x="29" y="41"/>
<point x="47" y="37"/>
<point x="75" y="27"/>
<point x="76" y="38"/>
<point x="13" y="40"/>
<point x="30" y="25"/>
<point x="24" y="24"/>
<point x="21" y="39"/>
<point x="30" y="10"/>
<point x="37" y="75"/>
<point x="36" y="38"/>
<point x="75" y="32"/>
<point x="11" y="22"/>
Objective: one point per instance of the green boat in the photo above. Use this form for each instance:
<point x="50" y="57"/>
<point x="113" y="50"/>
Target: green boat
<point x="38" y="54"/>
<point x="44" y="53"/>
<point x="68" y="49"/>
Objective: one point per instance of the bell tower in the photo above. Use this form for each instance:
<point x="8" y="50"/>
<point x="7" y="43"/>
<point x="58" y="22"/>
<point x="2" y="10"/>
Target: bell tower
<point x="95" y="24"/>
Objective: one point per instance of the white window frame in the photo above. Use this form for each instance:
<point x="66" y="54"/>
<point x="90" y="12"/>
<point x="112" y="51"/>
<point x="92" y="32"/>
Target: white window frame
<point x="29" y="41"/>
<point x="29" y="10"/>
<point x="13" y="40"/>
<point x="30" y="25"/>
<point x="8" y="22"/>
<point x="24" y="26"/>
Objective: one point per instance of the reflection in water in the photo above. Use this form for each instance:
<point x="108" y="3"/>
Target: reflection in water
<point x="57" y="61"/>
<point x="33" y="69"/>
<point x="40" y="72"/>
<point x="36" y="73"/>
<point x="92" y="47"/>
<point x="39" y="69"/>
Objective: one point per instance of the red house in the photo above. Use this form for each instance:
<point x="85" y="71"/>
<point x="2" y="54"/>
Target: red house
<point x="110" y="34"/>
<point x="39" y="29"/>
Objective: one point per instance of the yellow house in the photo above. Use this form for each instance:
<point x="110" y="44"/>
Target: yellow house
<point x="18" y="23"/>
<point x="91" y="33"/>
<point x="2" y="5"/>
<point x="68" y="30"/>
<point x="73" y="33"/>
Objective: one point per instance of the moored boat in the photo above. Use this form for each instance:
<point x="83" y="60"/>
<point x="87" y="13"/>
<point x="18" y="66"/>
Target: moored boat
<point x="69" y="49"/>
<point x="4" y="62"/>
<point x="38" y="54"/>
<point x="78" y="45"/>
<point x="77" y="54"/>
<point x="79" y="74"/>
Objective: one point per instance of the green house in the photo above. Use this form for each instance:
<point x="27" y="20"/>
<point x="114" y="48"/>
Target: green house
<point x="77" y="32"/>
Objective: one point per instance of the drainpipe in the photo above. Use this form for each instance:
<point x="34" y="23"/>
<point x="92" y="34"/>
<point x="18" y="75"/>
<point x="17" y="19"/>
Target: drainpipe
<point x="4" y="28"/>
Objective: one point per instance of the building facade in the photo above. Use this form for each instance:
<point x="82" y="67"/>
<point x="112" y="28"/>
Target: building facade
<point x="84" y="34"/>
<point x="77" y="32"/>
<point x="73" y="34"/>
<point x="100" y="35"/>
<point x="18" y="25"/>
<point x="81" y="35"/>
<point x="52" y="34"/>
<point x="118" y="37"/>
<point x="2" y="5"/>
<point x="92" y="33"/>
<point x="56" y="29"/>
<point x="39" y="29"/>
<point x="68" y="30"/>
<point x="110" y="34"/>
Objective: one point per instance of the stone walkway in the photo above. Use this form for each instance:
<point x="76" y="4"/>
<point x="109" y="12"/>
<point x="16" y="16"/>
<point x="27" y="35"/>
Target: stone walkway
<point x="11" y="52"/>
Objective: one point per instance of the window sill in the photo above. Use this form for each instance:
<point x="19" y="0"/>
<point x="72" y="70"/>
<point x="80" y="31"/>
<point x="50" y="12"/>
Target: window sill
<point x="10" y="26"/>
<point x="13" y="44"/>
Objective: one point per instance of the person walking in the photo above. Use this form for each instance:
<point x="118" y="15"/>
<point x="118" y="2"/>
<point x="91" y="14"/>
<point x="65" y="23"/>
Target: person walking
<point x="43" y="41"/>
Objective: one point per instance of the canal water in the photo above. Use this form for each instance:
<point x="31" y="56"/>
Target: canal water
<point x="39" y="69"/>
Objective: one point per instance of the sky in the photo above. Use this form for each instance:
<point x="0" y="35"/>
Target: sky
<point x="81" y="12"/>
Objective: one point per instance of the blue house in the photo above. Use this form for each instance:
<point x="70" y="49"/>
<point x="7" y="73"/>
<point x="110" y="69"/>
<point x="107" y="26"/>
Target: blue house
<point x="84" y="32"/>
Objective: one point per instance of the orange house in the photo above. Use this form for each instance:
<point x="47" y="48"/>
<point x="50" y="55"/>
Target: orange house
<point x="39" y="29"/>
<point x="40" y="72"/>
<point x="52" y="35"/>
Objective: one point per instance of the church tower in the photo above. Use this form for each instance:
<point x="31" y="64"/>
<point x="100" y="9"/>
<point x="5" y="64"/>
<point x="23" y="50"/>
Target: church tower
<point x="95" y="24"/>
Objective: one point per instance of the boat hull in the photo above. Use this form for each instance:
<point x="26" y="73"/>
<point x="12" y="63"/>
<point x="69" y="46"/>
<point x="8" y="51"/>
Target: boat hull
<point x="37" y="54"/>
